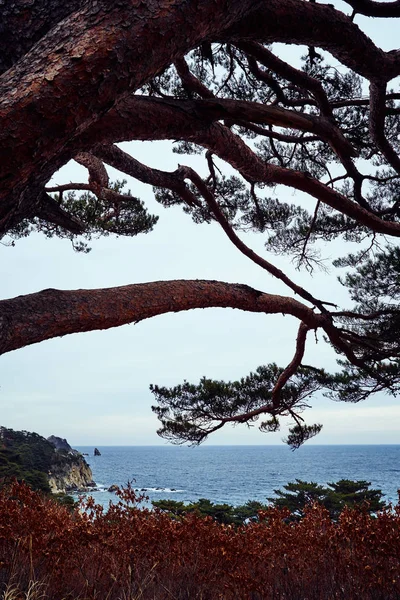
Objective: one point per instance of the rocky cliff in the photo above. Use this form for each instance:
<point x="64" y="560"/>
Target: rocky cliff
<point x="59" y="443"/>
<point x="69" y="471"/>
<point x="48" y="465"/>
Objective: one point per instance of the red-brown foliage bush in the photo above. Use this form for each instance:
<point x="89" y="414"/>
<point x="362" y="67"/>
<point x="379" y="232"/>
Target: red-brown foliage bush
<point x="128" y="553"/>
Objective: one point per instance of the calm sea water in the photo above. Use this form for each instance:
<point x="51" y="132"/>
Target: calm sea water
<point x="235" y="474"/>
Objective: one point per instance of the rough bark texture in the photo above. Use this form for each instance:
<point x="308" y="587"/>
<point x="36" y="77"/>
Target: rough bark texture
<point x="68" y="66"/>
<point x="78" y="71"/>
<point x="78" y="77"/>
<point x="51" y="313"/>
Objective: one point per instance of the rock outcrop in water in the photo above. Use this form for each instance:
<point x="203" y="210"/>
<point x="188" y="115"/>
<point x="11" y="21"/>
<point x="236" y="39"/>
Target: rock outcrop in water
<point x="49" y="465"/>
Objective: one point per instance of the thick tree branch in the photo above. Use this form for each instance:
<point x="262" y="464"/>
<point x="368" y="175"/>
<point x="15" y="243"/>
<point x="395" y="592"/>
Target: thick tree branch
<point x="49" y="210"/>
<point x="98" y="175"/>
<point x="22" y="27"/>
<point x="221" y="108"/>
<point x="175" y="122"/>
<point x="377" y="124"/>
<point x="317" y="25"/>
<point x="369" y="8"/>
<point x="117" y="158"/>
<point x="36" y="317"/>
<point x="75" y="70"/>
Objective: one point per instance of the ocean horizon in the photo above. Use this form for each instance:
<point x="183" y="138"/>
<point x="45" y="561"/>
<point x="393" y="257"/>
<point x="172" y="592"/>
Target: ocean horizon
<point x="237" y="473"/>
<point x="166" y="445"/>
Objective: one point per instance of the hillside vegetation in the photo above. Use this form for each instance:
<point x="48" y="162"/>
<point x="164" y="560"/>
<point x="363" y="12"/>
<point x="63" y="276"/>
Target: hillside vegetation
<point x="26" y="456"/>
<point x="126" y="553"/>
<point x="31" y="458"/>
<point x="296" y="497"/>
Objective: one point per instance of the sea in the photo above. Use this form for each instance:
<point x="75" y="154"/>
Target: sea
<point x="236" y="474"/>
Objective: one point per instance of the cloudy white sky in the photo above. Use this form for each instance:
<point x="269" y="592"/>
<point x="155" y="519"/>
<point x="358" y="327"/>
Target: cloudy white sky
<point x="92" y="388"/>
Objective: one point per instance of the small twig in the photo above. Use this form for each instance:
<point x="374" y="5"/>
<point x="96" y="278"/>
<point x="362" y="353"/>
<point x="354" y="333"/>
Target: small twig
<point x="211" y="168"/>
<point x="281" y="137"/>
<point x="68" y="187"/>
<point x="313" y="221"/>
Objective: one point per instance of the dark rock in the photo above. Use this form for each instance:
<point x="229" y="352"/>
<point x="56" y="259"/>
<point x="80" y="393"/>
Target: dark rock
<point x="97" y="452"/>
<point x="59" y="443"/>
<point x="113" y="488"/>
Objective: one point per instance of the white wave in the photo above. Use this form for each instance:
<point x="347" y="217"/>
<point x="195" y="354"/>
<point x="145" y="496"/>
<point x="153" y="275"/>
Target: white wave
<point x="159" y="489"/>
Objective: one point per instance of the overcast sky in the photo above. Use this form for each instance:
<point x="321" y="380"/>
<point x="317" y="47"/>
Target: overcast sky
<point x="93" y="388"/>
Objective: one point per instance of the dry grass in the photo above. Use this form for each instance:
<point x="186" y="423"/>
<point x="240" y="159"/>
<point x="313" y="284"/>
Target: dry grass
<point x="48" y="553"/>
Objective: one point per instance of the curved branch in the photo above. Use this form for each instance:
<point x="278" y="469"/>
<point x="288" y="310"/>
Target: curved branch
<point x="98" y="175"/>
<point x="369" y="8"/>
<point x="51" y="313"/>
<point x="221" y="108"/>
<point x="377" y="124"/>
<point x="219" y="215"/>
<point x="191" y="82"/>
<point x="292" y="366"/>
<point x="299" y="78"/>
<point x="117" y="158"/>
<point x="177" y="123"/>
<point x="320" y="25"/>
<point x="266" y="78"/>
<point x="273" y="406"/>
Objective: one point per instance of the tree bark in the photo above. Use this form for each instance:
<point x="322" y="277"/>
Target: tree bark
<point x="177" y="121"/>
<point x="97" y="55"/>
<point x="69" y="72"/>
<point x="83" y="66"/>
<point x="25" y="23"/>
<point x="29" y="319"/>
